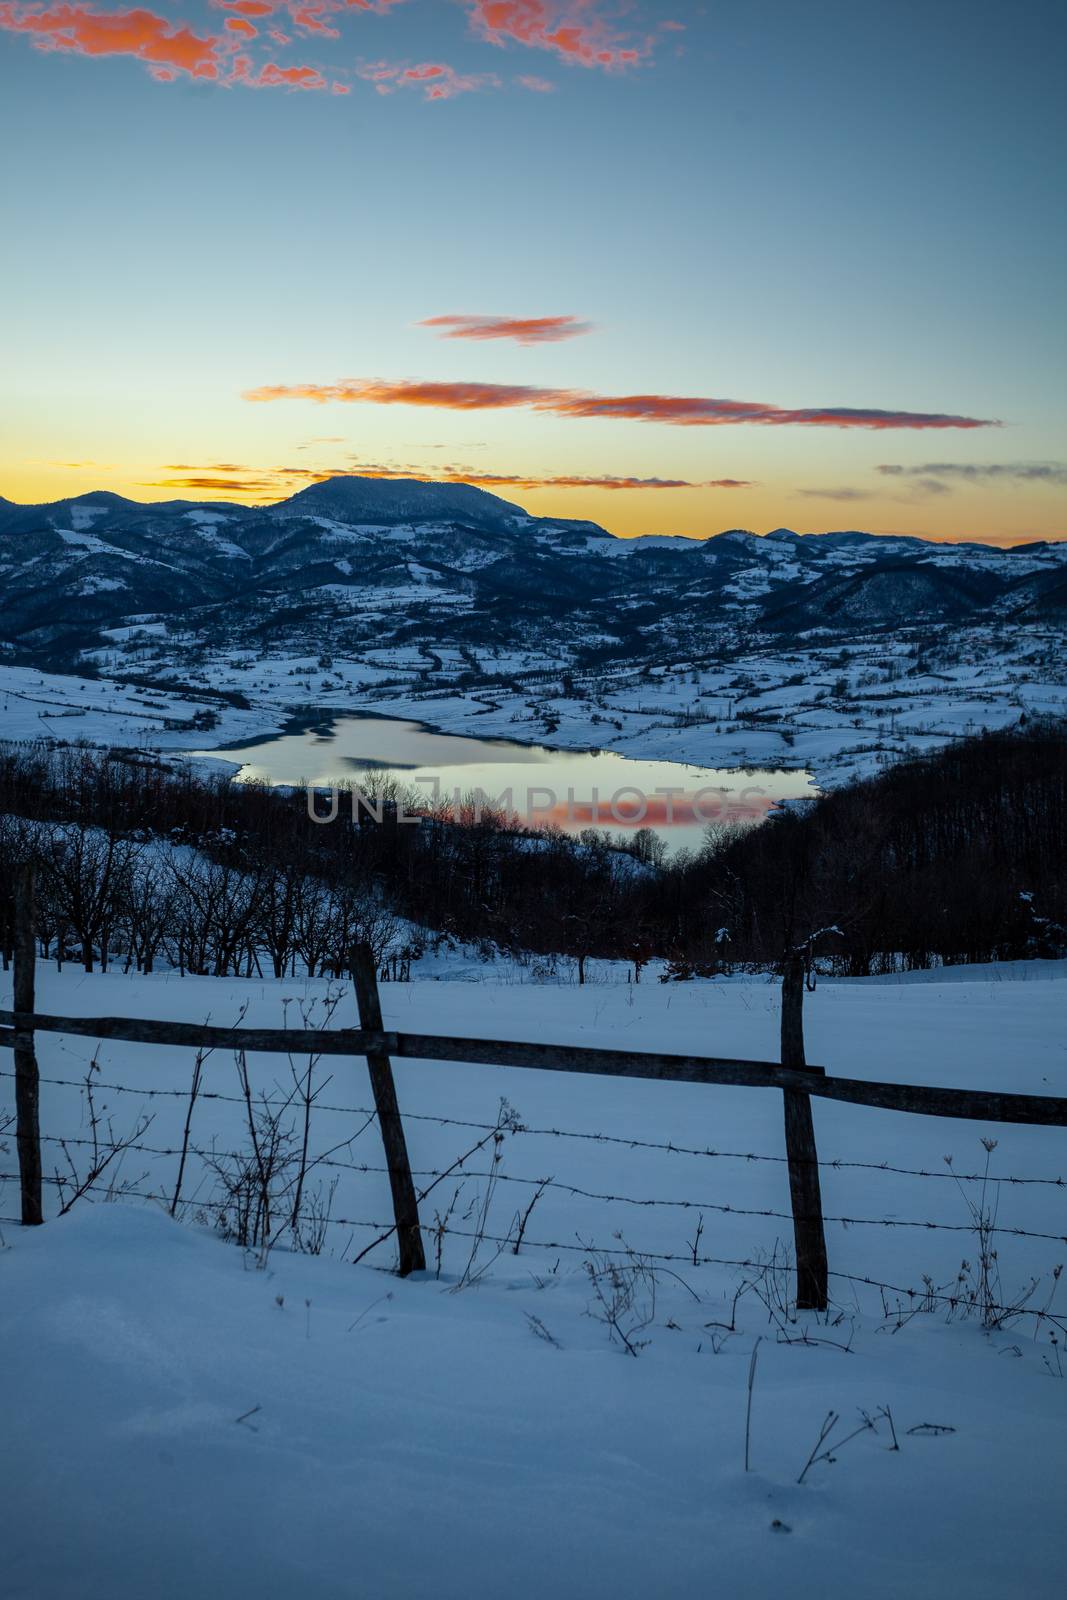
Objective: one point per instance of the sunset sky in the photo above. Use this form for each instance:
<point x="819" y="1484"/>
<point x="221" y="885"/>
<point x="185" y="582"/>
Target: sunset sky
<point x="675" y="267"/>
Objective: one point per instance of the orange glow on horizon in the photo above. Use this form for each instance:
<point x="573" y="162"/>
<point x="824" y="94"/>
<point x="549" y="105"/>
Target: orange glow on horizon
<point x="628" y="507"/>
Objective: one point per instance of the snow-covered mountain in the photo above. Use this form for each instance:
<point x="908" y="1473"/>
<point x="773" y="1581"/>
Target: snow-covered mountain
<point x="456" y="563"/>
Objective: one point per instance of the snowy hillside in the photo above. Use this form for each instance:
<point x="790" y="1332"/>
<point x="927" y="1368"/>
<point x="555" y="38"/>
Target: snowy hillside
<point x="109" y="560"/>
<point x="274" y="1421"/>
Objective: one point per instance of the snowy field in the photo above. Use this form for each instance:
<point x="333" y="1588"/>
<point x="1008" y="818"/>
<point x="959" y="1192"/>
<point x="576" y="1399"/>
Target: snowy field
<point x="836" y="712"/>
<point x="184" y="1417"/>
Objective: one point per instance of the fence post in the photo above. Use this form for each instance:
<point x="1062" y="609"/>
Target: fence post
<point x="405" y="1200"/>
<point x="800" y="1149"/>
<point x="28" y="1130"/>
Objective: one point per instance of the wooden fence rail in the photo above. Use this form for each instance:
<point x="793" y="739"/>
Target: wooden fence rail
<point x="792" y="1077"/>
<point x="977" y="1105"/>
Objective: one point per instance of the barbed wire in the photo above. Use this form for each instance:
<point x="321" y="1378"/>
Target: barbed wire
<point x="925" y="1296"/>
<point x="669" y="1147"/>
<point x="212" y="1157"/>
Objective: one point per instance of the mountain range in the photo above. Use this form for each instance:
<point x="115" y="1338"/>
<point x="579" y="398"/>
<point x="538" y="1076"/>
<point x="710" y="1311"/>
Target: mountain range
<point x="361" y="558"/>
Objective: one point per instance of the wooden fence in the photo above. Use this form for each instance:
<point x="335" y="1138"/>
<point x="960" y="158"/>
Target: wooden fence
<point x="791" y="1076"/>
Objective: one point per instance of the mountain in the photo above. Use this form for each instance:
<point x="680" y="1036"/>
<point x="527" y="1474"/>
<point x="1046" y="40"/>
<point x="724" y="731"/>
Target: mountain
<point x="364" y="560"/>
<point x="886" y="593"/>
<point x="388" y="501"/>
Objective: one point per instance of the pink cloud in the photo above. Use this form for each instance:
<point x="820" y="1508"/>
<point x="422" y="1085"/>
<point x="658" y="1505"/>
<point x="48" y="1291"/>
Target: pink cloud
<point x="436" y="79"/>
<point x="493" y="480"/>
<point x="167" y="49"/>
<point x="674" y="410"/>
<point x="576" y="32"/>
<point x="80" y="30"/>
<point x="524" y="330"/>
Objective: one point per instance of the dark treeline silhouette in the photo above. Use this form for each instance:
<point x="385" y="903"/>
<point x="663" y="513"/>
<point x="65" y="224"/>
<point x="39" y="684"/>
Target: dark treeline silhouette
<point x="956" y="856"/>
<point x="136" y="861"/>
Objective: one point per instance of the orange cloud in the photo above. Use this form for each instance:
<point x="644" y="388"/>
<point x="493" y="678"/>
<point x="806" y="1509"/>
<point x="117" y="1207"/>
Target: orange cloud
<point x="447" y="396"/>
<point x="166" y="49"/>
<point x="437" y="80"/>
<point x="675" y="410"/>
<point x="315" y="9"/>
<point x="261" y="488"/>
<point x="524" y="330"/>
<point x="272" y="76"/>
<point x="259" y="479"/>
<point x="573" y="32"/>
<point x="502" y="480"/>
<point x="216" y="466"/>
<point x="307" y="16"/>
<point x="143" y="34"/>
<point x="511" y="480"/>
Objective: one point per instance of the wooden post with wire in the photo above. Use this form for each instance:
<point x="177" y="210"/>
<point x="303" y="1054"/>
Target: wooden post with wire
<point x="27" y="1120"/>
<point x="804" y="1189"/>
<point x="405" y="1200"/>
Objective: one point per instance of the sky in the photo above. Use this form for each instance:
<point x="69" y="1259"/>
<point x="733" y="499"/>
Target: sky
<point x="674" y="267"/>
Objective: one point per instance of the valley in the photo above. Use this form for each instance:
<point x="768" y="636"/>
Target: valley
<point x="183" y="627"/>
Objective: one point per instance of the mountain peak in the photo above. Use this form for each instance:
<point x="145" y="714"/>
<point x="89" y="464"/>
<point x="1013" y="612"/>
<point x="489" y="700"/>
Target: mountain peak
<point x="393" y="500"/>
<point x="735" y="535"/>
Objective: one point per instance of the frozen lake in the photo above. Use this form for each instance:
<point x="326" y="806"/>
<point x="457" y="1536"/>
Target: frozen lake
<point x="571" y="789"/>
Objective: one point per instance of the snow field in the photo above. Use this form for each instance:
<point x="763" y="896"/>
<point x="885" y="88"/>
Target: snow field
<point x="402" y="1439"/>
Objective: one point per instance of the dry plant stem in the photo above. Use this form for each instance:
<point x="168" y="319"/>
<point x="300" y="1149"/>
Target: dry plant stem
<point x="825" y="1431"/>
<point x="538" y="1328"/>
<point x="194" y="1090"/>
<point x="302" y="1086"/>
<point x="820" y="1454"/>
<point x="524" y="1218"/>
<point x="253" y="1134"/>
<point x="885" y="1412"/>
<point x="748" y="1408"/>
<point x="430" y="1187"/>
<point x="103" y="1150"/>
<point x="507" y="1121"/>
<point x="624" y="1297"/>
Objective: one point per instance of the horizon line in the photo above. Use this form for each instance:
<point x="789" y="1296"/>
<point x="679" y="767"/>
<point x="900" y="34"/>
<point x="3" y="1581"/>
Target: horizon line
<point x="998" y="541"/>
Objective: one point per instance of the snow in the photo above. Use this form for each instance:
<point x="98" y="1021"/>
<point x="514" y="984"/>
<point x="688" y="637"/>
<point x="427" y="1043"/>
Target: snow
<point x="180" y="1420"/>
<point x="95" y="546"/>
<point x="897" y="703"/>
<point x="95" y="584"/>
<point x="89" y="541"/>
<point x="36" y="705"/>
<point x="82" y="517"/>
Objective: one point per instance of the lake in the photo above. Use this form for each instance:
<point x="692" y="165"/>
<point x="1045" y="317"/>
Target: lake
<point x="572" y="789"/>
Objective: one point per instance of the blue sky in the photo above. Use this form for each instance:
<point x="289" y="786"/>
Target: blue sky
<point x="853" y="208"/>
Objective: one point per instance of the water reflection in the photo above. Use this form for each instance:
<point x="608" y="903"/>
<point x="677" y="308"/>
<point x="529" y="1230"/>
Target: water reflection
<point x="572" y="789"/>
